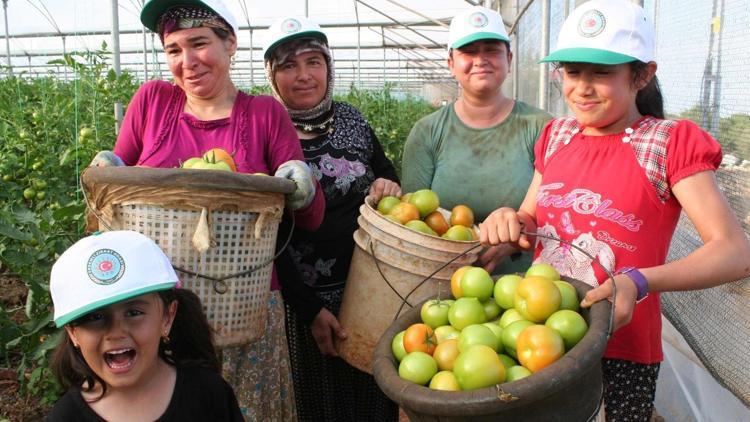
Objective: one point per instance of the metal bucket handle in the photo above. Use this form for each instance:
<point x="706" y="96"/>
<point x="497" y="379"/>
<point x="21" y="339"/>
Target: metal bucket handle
<point x="219" y="283"/>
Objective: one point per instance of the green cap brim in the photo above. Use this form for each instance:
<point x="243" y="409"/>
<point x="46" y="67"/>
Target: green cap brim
<point x="478" y="36"/>
<point x="304" y="34"/>
<point x="588" y="55"/>
<point x="155" y="8"/>
<point x="70" y="316"/>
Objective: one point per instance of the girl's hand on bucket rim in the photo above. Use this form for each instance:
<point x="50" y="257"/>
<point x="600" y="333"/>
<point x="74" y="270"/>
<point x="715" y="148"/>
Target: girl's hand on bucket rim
<point x="383" y="187"/>
<point x="324" y="327"/>
<point x="627" y="292"/>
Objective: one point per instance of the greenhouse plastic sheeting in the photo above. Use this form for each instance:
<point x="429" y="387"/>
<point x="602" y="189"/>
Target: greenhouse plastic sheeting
<point x="686" y="391"/>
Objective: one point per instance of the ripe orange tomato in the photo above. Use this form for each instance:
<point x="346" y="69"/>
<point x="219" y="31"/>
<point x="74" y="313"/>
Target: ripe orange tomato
<point x="537" y="298"/>
<point x="437" y="222"/>
<point x="216" y="155"/>
<point x="405" y="212"/>
<point x="538" y="346"/>
<point x="462" y="215"/>
<point x="420" y="338"/>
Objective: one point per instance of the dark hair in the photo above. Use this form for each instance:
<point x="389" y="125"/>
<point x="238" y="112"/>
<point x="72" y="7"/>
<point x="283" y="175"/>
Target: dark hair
<point x="190" y="344"/>
<point x="648" y="100"/>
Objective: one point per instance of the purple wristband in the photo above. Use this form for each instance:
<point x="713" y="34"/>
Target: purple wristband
<point x="638" y="279"/>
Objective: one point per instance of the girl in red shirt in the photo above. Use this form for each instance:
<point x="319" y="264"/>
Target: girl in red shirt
<point x="613" y="180"/>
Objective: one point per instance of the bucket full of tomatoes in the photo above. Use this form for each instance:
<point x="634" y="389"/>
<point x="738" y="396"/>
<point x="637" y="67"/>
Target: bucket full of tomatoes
<point x="218" y="228"/>
<point x="395" y="266"/>
<point x="534" y="363"/>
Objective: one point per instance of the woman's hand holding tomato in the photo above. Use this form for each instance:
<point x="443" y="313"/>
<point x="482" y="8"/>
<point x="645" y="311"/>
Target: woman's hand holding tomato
<point x="324" y="328"/>
<point x="383" y="187"/>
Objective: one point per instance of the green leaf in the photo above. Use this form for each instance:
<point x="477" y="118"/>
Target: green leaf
<point x="13" y="232"/>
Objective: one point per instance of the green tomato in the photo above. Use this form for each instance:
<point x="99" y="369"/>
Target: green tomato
<point x="386" y="204"/>
<point x="191" y="162"/>
<point x="37" y="165"/>
<point x="40" y="195"/>
<point x="507" y="361"/>
<point x="477" y="334"/>
<point x="510" y="335"/>
<point x="505" y="290"/>
<point x="8" y="178"/>
<point x="29" y="193"/>
<point x="435" y="312"/>
<point x="397" y="346"/>
<point x="478" y="367"/>
<point x="516" y="372"/>
<point x="417" y="367"/>
<point x="569" y="295"/>
<point x="39" y="184"/>
<point x="543" y="269"/>
<point x="570" y="324"/>
<point x="476" y="282"/>
<point x="87" y="133"/>
<point x="205" y="165"/>
<point x="466" y="311"/>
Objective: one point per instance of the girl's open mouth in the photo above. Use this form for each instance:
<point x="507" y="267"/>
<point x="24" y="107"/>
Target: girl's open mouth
<point x="120" y="360"/>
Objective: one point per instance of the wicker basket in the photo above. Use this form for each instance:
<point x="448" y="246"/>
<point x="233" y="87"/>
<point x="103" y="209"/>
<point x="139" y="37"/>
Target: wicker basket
<point x="218" y="228"/>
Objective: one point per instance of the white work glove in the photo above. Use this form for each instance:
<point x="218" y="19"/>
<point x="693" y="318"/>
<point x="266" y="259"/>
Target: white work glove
<point x="106" y="159"/>
<point x="298" y="172"/>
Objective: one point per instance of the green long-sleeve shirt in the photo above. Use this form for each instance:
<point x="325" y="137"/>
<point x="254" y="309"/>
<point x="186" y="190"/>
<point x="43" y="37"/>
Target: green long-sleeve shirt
<point x="482" y="168"/>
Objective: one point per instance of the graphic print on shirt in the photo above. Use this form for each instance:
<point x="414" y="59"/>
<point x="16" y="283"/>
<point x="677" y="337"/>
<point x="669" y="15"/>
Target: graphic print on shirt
<point x="580" y="205"/>
<point x="343" y="171"/>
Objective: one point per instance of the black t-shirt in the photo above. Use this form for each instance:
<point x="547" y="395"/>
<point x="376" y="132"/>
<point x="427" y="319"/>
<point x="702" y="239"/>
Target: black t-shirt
<point x="200" y="394"/>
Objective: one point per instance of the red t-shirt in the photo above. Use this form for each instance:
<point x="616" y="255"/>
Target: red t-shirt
<point x="611" y="195"/>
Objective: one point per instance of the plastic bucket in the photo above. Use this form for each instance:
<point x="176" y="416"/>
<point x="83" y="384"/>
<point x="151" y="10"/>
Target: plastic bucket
<point x="568" y="390"/>
<point x="389" y="263"/>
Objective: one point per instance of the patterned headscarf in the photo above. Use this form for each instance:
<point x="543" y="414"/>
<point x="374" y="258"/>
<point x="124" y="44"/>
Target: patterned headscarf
<point x="320" y="117"/>
<point x="186" y="17"/>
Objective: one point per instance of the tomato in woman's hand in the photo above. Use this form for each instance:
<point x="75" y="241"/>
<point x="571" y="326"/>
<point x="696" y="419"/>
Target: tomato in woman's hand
<point x="420" y="338"/>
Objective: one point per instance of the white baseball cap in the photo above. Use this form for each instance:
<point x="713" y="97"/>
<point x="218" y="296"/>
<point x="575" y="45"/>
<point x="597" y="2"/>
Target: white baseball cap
<point x="476" y="23"/>
<point x="289" y="28"/>
<point x="153" y="10"/>
<point x="107" y="268"/>
<point x="605" y="32"/>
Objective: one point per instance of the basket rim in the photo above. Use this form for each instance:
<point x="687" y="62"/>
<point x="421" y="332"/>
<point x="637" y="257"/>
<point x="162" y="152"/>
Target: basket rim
<point x="584" y="355"/>
<point x="187" y="178"/>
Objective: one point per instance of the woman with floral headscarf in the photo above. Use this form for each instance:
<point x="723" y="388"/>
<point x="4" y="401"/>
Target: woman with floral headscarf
<point x="345" y="156"/>
<point x="168" y="123"/>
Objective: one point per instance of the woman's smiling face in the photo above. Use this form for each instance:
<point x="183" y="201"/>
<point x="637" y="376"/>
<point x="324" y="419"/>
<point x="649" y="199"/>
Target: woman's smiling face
<point x="120" y="342"/>
<point x="199" y="60"/>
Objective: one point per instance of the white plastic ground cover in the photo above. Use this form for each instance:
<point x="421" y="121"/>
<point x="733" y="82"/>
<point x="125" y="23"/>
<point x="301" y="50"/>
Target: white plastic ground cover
<point x="686" y="391"/>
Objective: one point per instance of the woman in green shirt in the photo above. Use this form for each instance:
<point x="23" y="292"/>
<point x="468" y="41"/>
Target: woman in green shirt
<point x="479" y="151"/>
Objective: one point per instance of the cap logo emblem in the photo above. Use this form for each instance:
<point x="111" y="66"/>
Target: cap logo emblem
<point x="478" y="20"/>
<point x="105" y="267"/>
<point x="592" y="23"/>
<point x="290" y="26"/>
